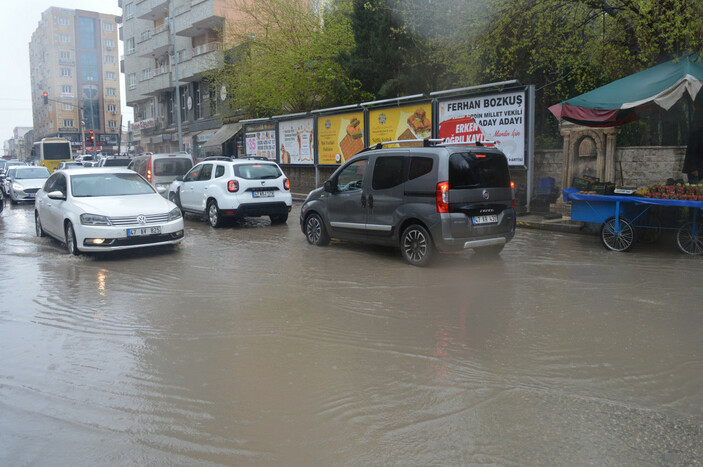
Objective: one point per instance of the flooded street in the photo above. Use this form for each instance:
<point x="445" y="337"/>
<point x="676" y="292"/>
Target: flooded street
<point x="247" y="346"/>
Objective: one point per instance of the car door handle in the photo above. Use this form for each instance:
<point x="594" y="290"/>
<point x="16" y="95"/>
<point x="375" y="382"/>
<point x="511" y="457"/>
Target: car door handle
<point x="370" y="202"/>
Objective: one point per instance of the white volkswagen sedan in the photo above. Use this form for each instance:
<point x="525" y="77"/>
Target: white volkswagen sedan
<point x="105" y="209"/>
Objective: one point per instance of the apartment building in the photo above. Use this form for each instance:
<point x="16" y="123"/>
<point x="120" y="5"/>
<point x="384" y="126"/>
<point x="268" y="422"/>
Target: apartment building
<point x="168" y="45"/>
<point x="74" y="60"/>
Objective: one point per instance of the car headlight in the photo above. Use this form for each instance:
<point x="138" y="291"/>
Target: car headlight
<point x="17" y="187"/>
<point x="174" y="214"/>
<point x="94" y="219"/>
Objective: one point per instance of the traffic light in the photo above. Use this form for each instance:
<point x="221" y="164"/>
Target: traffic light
<point x="91" y="136"/>
<point x="46" y="97"/>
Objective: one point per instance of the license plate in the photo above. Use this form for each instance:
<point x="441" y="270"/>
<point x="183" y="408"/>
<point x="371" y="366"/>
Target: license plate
<point x="492" y="219"/>
<point x="30" y="195"/>
<point x="262" y="194"/>
<point x="144" y="231"/>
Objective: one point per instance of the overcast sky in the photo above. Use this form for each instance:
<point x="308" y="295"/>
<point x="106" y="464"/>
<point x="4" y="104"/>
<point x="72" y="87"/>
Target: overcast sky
<point x="18" y="21"/>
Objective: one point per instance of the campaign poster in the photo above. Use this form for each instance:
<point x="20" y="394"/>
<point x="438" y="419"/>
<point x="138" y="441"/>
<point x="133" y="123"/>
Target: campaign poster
<point x="339" y="137"/>
<point x="490" y="117"/>
<point x="295" y="141"/>
<point x="400" y="123"/>
<point x="260" y="140"/>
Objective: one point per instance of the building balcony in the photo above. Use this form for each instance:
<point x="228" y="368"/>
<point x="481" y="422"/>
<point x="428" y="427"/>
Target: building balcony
<point x="158" y="43"/>
<point x="199" y="60"/>
<point x="152" y="9"/>
<point x="201" y="17"/>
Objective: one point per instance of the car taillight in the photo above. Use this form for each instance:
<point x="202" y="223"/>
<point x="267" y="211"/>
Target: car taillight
<point x="148" y="171"/>
<point x="233" y="186"/>
<point x="286" y="184"/>
<point x="442" y="196"/>
<point x="512" y="191"/>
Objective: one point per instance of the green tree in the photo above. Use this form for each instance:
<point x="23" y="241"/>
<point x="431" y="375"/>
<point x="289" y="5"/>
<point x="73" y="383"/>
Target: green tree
<point x="281" y="58"/>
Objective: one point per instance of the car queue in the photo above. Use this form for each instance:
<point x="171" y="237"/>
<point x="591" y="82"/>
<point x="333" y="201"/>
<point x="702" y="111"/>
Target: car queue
<point x="438" y="198"/>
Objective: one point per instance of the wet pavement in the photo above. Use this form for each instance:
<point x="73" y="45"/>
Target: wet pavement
<point x="247" y="346"/>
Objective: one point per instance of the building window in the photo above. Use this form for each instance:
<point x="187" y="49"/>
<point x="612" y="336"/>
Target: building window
<point x="108" y="27"/>
<point x="111" y="91"/>
<point x="67" y="106"/>
<point x="112" y="123"/>
<point x="146" y="74"/>
<point x="64" y="38"/>
<point x="132" y="80"/>
<point x="65" y="72"/>
<point x="109" y="43"/>
<point x="86" y="32"/>
<point x="66" y="89"/>
<point x="112" y="108"/>
<point x="89" y="65"/>
<point x="129" y="11"/>
<point x="65" y="55"/>
<point x="109" y="75"/>
<point x="109" y="59"/>
<point x="198" y="100"/>
<point x="130" y="45"/>
<point x="68" y="123"/>
<point x="63" y="21"/>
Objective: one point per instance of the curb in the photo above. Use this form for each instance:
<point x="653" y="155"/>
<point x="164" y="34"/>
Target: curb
<point x="568" y="227"/>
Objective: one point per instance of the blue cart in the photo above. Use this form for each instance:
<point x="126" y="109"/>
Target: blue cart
<point x="625" y="218"/>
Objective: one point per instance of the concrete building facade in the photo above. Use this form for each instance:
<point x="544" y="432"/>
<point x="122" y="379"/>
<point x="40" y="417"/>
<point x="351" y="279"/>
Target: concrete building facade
<point x="75" y="61"/>
<point x="168" y="46"/>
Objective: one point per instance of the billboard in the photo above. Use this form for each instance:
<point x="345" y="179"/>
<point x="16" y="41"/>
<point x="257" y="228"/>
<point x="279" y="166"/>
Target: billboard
<point x="295" y="141"/>
<point x="400" y="123"/>
<point x="260" y="140"/>
<point x="496" y="117"/>
<point x="339" y="137"/>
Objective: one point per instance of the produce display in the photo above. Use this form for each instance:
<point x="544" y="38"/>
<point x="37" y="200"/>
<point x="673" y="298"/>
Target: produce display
<point x="684" y="191"/>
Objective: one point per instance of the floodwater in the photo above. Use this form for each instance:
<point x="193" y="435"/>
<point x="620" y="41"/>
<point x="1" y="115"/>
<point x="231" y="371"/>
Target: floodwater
<point x="247" y="346"/>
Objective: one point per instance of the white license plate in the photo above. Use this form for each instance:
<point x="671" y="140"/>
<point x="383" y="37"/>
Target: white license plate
<point x="262" y="194"/>
<point x="144" y="231"/>
<point x="492" y="219"/>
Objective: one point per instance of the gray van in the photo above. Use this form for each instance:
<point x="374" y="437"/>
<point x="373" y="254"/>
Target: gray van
<point x="443" y="197"/>
<point x="162" y="169"/>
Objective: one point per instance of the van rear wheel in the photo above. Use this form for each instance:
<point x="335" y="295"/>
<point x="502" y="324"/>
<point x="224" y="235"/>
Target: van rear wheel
<point x="213" y="214"/>
<point x="416" y="245"/>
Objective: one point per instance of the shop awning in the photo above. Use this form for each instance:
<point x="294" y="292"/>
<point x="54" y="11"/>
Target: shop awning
<point x="617" y="103"/>
<point x="222" y="135"/>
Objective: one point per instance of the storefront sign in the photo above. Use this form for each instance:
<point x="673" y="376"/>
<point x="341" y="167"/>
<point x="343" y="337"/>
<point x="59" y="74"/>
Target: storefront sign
<point x="143" y="124"/>
<point x="295" y="141"/>
<point x="491" y="117"/>
<point x="339" y="137"/>
<point x="400" y="123"/>
<point x="261" y="140"/>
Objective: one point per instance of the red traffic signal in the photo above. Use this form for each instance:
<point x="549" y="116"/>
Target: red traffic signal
<point x="46" y="97"/>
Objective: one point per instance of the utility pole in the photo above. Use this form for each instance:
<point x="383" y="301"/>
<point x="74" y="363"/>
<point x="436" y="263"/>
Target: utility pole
<point x="172" y="25"/>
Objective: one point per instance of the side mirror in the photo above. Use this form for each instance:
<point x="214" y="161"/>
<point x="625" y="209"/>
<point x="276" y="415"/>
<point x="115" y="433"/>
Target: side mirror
<point x="56" y="195"/>
<point x="179" y="178"/>
<point x="329" y="188"/>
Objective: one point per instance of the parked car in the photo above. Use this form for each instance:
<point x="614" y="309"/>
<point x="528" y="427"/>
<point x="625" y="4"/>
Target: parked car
<point x="69" y="165"/>
<point x="162" y="169"/>
<point x="105" y="209"/>
<point x="5" y="173"/>
<point x="420" y="199"/>
<point x="219" y="189"/>
<point x="26" y="181"/>
<point x="114" y="161"/>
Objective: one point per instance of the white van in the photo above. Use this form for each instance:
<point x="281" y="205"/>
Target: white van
<point x="161" y="169"/>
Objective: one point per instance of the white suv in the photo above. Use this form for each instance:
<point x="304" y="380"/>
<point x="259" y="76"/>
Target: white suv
<point x="224" y="187"/>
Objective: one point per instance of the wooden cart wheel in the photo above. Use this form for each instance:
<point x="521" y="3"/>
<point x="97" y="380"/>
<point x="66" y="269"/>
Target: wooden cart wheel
<point x="652" y="232"/>
<point x="688" y="242"/>
<point x="620" y="241"/>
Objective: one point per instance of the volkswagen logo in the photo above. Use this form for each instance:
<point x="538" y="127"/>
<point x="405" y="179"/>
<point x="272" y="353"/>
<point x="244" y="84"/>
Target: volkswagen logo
<point x="485" y="194"/>
<point x="141" y="219"/>
<point x="263" y="183"/>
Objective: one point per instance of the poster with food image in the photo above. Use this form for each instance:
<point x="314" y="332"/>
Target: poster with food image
<point x="295" y="141"/>
<point x="498" y="117"/>
<point x="339" y="137"/>
<point x="400" y="123"/>
<point x="261" y="140"/>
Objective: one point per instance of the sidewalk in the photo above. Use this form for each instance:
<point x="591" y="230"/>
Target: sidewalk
<point x="561" y="224"/>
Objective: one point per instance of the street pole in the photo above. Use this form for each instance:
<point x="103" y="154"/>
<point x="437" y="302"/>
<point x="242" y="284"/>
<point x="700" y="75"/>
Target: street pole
<point x="172" y="24"/>
<point x="81" y="122"/>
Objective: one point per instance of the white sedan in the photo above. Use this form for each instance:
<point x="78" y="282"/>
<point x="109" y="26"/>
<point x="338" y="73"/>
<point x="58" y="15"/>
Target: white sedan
<point x="105" y="209"/>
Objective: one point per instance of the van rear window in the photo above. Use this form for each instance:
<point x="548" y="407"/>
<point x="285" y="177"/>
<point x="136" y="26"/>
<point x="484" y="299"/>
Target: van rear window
<point x="171" y="166"/>
<point x="466" y="171"/>
<point x="257" y="171"/>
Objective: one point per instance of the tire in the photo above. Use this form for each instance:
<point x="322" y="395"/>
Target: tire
<point x="213" y="214"/>
<point x="279" y="218"/>
<point x="623" y="240"/>
<point x="315" y="231"/>
<point x="416" y="245"/>
<point x="689" y="243"/>
<point x="37" y="225"/>
<point x="174" y="199"/>
<point x="489" y="251"/>
<point x="71" y="244"/>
